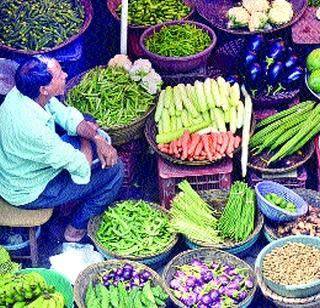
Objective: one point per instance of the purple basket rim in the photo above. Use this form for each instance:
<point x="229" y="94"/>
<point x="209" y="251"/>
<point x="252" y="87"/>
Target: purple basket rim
<point x="304" y="207"/>
<point x="133" y="26"/>
<point x="157" y="27"/>
<point x="87" y="21"/>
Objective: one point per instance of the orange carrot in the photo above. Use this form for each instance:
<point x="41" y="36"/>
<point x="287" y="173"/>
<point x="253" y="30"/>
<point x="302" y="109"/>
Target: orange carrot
<point x="185" y="144"/>
<point x="206" y="145"/>
<point x="224" y="145"/>
<point x="220" y="138"/>
<point x="230" y="147"/>
<point x="175" y="148"/>
<point x="171" y="152"/>
<point x="165" y="150"/>
<point x="179" y="142"/>
<point x="195" y="138"/>
<point x="214" y="138"/>
<point x="198" y="148"/>
<point x="237" y="141"/>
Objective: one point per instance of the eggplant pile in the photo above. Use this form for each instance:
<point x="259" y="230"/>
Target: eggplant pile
<point x="268" y="67"/>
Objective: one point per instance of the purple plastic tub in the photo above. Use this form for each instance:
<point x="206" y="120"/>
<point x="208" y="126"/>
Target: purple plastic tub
<point x="178" y="64"/>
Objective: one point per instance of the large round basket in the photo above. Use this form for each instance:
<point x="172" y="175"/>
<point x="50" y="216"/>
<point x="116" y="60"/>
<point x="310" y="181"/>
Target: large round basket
<point x="286" y="164"/>
<point x="89" y="274"/>
<point x="53" y="278"/>
<point x="228" y="56"/>
<point x="120" y="134"/>
<point x="154" y="261"/>
<point x="206" y="254"/>
<point x="150" y="132"/>
<point x="50" y="51"/>
<point x="217" y="198"/>
<point x="312" y="198"/>
<point x="215" y="12"/>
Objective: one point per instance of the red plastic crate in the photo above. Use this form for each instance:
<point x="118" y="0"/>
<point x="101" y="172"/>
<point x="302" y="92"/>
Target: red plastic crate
<point x="254" y="177"/>
<point x="217" y="176"/>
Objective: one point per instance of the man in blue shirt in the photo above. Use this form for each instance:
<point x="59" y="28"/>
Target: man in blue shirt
<point x="40" y="169"/>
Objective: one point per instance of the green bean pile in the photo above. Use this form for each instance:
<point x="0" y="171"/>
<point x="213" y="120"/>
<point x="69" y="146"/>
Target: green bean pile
<point x="134" y="228"/>
<point x="152" y="12"/>
<point x="178" y="41"/>
<point x="39" y="24"/>
<point x="109" y="95"/>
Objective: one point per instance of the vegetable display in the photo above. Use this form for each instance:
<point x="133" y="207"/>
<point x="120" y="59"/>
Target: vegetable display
<point x="6" y="265"/>
<point x="193" y="217"/>
<point x="179" y="40"/>
<point x="134" y="228"/>
<point x="198" y="146"/>
<point x="308" y="224"/>
<point x="237" y="219"/>
<point x="260" y="15"/>
<point x="151" y="12"/>
<point x="269" y="67"/>
<point x="276" y="200"/>
<point x="210" y="284"/>
<point x="125" y="286"/>
<point x="294" y="263"/>
<point x="28" y="290"/>
<point x="118" y="94"/>
<point x="38" y="24"/>
<point x="287" y="131"/>
<point x="212" y="104"/>
<point x="313" y="66"/>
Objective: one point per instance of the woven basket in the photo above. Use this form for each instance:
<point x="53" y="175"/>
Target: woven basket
<point x="53" y="278"/>
<point x="120" y="134"/>
<point x="215" y="12"/>
<point x="315" y="95"/>
<point x="151" y="260"/>
<point x="89" y="274"/>
<point x="228" y="56"/>
<point x="312" y="198"/>
<point x="88" y="17"/>
<point x="217" y="198"/>
<point x="254" y="164"/>
<point x="150" y="132"/>
<point x="205" y="254"/>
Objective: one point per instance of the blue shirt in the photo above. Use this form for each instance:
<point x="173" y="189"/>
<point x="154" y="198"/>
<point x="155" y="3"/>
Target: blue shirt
<point x="31" y="152"/>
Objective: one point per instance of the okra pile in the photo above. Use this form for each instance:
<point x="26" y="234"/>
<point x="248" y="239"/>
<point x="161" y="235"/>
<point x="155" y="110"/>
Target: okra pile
<point x="179" y="40"/>
<point x="39" y="24"/>
<point x="134" y="228"/>
<point x="111" y="96"/>
<point x="152" y="12"/>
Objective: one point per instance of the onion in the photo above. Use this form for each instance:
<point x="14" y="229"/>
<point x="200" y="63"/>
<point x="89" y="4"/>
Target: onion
<point x="224" y="280"/>
<point x="243" y="295"/>
<point x="174" y="284"/>
<point x="207" y="276"/>
<point x="214" y="294"/>
<point x="128" y="266"/>
<point x="206" y="299"/>
<point x="127" y="274"/>
<point x="249" y="283"/>
<point x="197" y="263"/>
<point x="146" y="275"/>
<point x="191" y="281"/>
<point x="119" y="272"/>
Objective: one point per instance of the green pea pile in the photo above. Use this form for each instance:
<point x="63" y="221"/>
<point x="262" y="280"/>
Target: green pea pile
<point x="152" y="12"/>
<point x="179" y="40"/>
<point x="39" y="24"/>
<point x="111" y="96"/>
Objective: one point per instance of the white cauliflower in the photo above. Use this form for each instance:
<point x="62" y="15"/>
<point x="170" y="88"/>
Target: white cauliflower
<point x="238" y="17"/>
<point x="253" y="6"/>
<point x="139" y="69"/>
<point x="120" y="61"/>
<point x="151" y="82"/>
<point x="258" y="20"/>
<point x="281" y="12"/>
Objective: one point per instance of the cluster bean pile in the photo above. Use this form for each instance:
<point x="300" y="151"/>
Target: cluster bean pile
<point x="178" y="41"/>
<point x="111" y="96"/>
<point x="294" y="263"/>
<point x="134" y="228"/>
<point x="39" y="24"/>
<point x="151" y="12"/>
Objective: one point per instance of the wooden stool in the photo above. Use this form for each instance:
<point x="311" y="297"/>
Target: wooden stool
<point x="216" y="176"/>
<point x="11" y="216"/>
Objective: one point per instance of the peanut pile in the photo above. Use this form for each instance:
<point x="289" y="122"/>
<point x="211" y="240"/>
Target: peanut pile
<point x="294" y="263"/>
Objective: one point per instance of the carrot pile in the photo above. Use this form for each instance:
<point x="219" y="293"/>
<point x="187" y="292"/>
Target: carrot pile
<point x="210" y="147"/>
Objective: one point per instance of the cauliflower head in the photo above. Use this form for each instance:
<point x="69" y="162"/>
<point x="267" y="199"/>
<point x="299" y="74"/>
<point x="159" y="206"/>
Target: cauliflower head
<point x="281" y="12"/>
<point x="120" y="61"/>
<point x="238" y="17"/>
<point x="257" y="21"/>
<point x="139" y="69"/>
<point x="253" y="6"/>
<point x="151" y="82"/>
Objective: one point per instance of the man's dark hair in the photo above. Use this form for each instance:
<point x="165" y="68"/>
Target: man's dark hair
<point x="31" y="75"/>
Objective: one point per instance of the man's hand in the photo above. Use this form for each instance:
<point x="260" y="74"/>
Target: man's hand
<point x="86" y="149"/>
<point x="106" y="152"/>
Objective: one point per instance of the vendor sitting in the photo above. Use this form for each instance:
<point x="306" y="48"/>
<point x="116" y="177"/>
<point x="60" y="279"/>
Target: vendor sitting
<point x="38" y="168"/>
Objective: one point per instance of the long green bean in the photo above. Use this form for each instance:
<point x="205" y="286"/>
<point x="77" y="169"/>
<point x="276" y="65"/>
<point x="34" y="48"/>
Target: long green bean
<point x="109" y="95"/>
<point x="39" y="24"/>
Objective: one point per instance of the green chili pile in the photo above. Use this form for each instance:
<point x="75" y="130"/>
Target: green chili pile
<point x="152" y="12"/>
<point x="178" y="41"/>
<point x="134" y="228"/>
<point x="111" y="96"/>
<point x="39" y="24"/>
